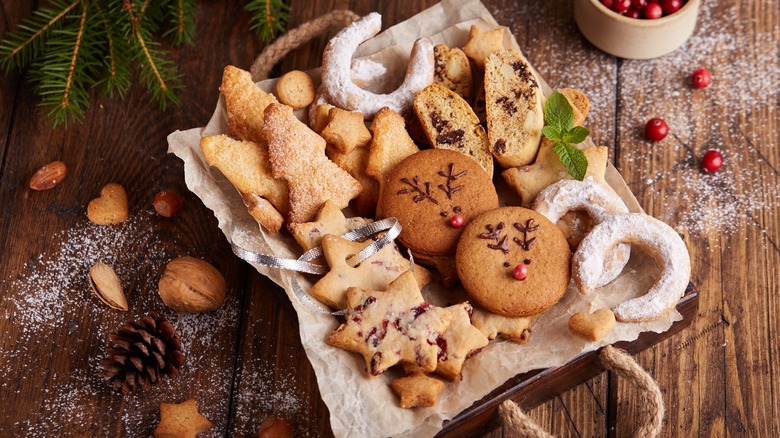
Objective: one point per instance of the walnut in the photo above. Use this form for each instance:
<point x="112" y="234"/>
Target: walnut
<point x="191" y="285"/>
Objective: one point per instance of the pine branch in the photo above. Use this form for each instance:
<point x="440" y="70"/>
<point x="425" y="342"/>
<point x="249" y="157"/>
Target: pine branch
<point x="181" y="16"/>
<point x="268" y="17"/>
<point x="19" y="48"/>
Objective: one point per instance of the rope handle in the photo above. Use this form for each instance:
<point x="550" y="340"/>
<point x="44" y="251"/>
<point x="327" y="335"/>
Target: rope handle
<point x="619" y="362"/>
<point x="296" y="38"/>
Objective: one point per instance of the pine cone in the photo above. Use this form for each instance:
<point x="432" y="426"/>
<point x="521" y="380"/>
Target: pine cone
<point x="142" y="352"/>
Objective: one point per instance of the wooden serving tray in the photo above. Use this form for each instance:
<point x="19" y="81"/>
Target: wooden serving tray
<point x="536" y="387"/>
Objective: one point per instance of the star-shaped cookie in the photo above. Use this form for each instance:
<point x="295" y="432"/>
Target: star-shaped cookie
<point x="514" y="328"/>
<point x="393" y="326"/>
<point x="297" y="156"/>
<point x="417" y="390"/>
<point x="529" y="180"/>
<point x="181" y="421"/>
<point x="374" y="273"/>
<point x="461" y="341"/>
<point x="346" y="130"/>
<point x="330" y="220"/>
<point x="482" y="43"/>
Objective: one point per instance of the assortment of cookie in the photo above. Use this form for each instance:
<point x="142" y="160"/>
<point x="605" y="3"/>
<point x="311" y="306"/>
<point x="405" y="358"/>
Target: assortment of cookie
<point x="425" y="154"/>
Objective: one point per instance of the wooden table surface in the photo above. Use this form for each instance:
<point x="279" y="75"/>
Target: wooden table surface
<point x="718" y="377"/>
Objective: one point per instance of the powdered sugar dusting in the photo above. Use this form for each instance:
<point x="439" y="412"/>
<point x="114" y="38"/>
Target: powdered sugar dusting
<point x="52" y="300"/>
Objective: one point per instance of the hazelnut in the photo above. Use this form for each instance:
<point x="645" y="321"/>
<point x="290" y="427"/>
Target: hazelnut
<point x="275" y="427"/>
<point x="191" y="285"/>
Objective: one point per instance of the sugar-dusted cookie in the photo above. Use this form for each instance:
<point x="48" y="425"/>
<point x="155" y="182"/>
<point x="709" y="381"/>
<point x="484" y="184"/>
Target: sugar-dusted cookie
<point x="514" y="328"/>
<point x="433" y="193"/>
<point x="297" y="156"/>
<point x="450" y="123"/>
<point x="592" y="326"/>
<point x="417" y="390"/>
<point x="391" y="327"/>
<point x="346" y="130"/>
<point x="181" y="421"/>
<point x="330" y="220"/>
<point x="390" y="145"/>
<point x="513" y="261"/>
<point x="245" y="103"/>
<point x="296" y="89"/>
<point x="513" y="100"/>
<point x="246" y="165"/>
<point x="482" y="43"/>
<point x="452" y="70"/>
<point x="374" y="273"/>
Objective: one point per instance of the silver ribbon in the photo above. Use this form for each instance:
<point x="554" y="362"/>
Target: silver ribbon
<point x="302" y="264"/>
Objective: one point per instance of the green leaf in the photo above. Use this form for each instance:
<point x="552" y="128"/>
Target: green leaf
<point x="552" y="133"/>
<point x="558" y="112"/>
<point x="572" y="159"/>
<point x="576" y="135"/>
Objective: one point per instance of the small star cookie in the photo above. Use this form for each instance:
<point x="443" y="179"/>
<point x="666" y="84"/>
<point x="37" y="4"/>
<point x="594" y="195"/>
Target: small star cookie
<point x="181" y="421"/>
<point x="297" y="156"/>
<point x="516" y="329"/>
<point x="393" y="326"/>
<point x="346" y="130"/>
<point x="417" y="390"/>
<point x="245" y="103"/>
<point x="330" y="220"/>
<point x="374" y="273"/>
<point x="482" y="43"/>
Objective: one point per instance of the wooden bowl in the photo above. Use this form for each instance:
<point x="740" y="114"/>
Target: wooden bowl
<point x="634" y="38"/>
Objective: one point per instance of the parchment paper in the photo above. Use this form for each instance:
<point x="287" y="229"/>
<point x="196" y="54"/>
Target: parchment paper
<point x="361" y="406"/>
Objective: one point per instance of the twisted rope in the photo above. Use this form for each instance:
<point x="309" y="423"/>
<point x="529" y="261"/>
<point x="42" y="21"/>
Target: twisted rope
<point x="296" y="38"/>
<point x="625" y="366"/>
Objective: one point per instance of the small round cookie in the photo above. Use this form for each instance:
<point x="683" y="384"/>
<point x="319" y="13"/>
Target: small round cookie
<point x="513" y="261"/>
<point x="296" y="89"/>
<point x="434" y="193"/>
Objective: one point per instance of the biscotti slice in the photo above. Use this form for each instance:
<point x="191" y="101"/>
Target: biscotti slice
<point x="452" y="70"/>
<point x="514" y="108"/>
<point x="450" y="123"/>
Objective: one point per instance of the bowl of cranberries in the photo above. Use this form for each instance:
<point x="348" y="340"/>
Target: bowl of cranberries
<point x="636" y="29"/>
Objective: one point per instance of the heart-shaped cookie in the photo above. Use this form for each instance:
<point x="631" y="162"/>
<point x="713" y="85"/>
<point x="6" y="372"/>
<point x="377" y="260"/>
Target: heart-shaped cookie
<point x="111" y="207"/>
<point x="594" y="326"/>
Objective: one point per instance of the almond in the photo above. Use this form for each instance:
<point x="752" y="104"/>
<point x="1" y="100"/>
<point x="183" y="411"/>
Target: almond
<point x="106" y="285"/>
<point x="48" y="176"/>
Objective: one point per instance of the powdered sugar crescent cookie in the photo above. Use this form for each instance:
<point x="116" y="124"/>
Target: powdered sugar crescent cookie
<point x="599" y="202"/>
<point x="658" y="239"/>
<point x="337" y="62"/>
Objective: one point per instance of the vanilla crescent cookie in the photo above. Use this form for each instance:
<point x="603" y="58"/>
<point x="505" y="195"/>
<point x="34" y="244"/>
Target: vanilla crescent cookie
<point x="658" y="239"/>
<point x="597" y="201"/>
<point x="344" y="93"/>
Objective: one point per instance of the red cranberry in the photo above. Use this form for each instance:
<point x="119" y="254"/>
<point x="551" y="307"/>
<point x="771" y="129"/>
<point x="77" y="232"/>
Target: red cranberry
<point x="671" y="6"/>
<point x="652" y="11"/>
<point x="520" y="272"/>
<point x="633" y="13"/>
<point x="621" y="6"/>
<point x="638" y="4"/>
<point x="457" y="221"/>
<point x="711" y="161"/>
<point x="607" y="3"/>
<point x="656" y="129"/>
<point x="701" y="78"/>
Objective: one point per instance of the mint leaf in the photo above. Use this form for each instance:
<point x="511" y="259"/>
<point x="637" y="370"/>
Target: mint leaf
<point x="572" y="159"/>
<point x="558" y="112"/>
<point x="578" y="134"/>
<point x="552" y="133"/>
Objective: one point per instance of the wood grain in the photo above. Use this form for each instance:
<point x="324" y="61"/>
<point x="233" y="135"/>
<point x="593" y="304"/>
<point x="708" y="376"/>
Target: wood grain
<point x="719" y="377"/>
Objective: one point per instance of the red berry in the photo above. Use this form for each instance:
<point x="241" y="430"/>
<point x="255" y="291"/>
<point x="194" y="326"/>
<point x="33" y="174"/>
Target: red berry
<point x="701" y="78"/>
<point x="521" y="271"/>
<point x="711" y="161"/>
<point x="652" y="11"/>
<point x="621" y="6"/>
<point x="457" y="221"/>
<point x="633" y="13"/>
<point x="671" y="6"/>
<point x="607" y="3"/>
<point x="638" y="4"/>
<point x="656" y="129"/>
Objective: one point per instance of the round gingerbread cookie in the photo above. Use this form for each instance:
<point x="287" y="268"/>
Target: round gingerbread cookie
<point x="430" y="192"/>
<point x="513" y="261"/>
